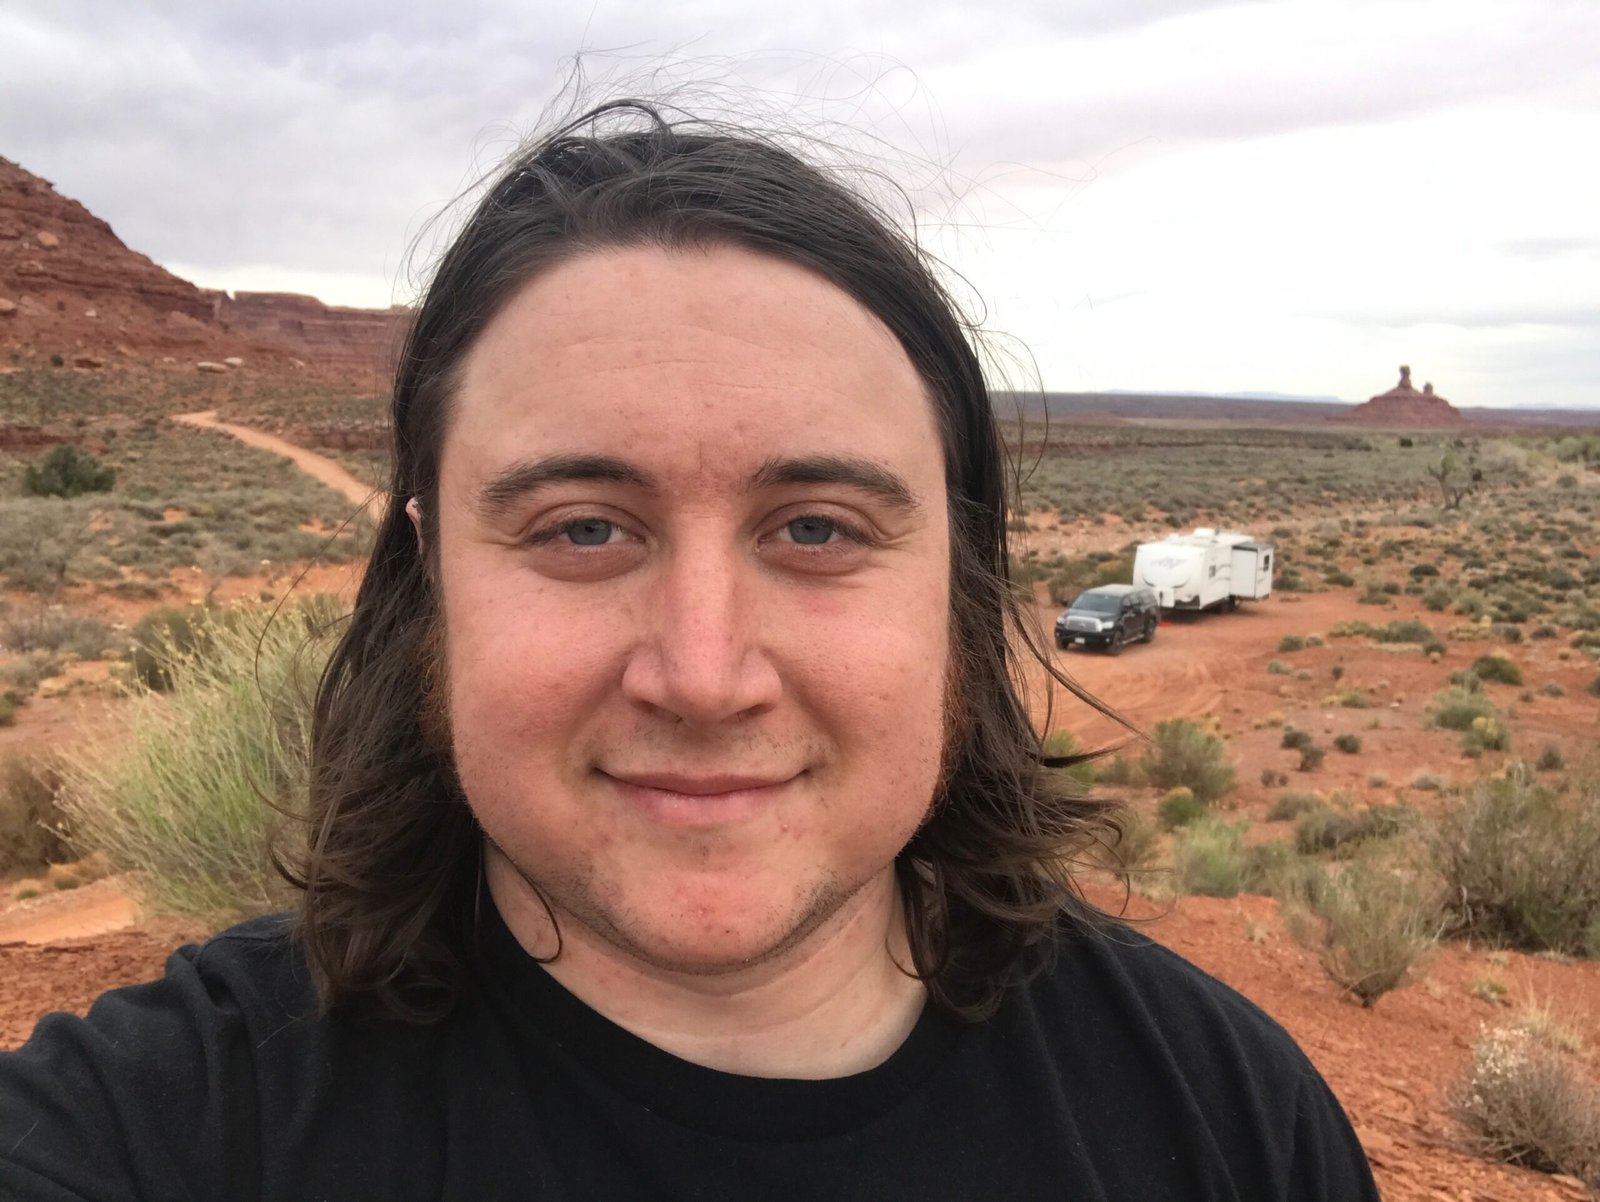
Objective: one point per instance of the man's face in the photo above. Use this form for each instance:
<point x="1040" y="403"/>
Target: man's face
<point x="694" y="550"/>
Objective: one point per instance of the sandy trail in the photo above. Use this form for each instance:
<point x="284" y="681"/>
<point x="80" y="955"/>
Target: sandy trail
<point x="373" y="502"/>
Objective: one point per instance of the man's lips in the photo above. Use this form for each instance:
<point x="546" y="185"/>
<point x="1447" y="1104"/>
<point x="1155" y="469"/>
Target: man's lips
<point x="680" y="799"/>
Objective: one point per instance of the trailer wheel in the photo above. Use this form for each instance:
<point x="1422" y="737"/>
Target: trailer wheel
<point x="1233" y="604"/>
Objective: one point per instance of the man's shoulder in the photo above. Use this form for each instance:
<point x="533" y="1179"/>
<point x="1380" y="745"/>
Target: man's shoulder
<point x="1124" y="986"/>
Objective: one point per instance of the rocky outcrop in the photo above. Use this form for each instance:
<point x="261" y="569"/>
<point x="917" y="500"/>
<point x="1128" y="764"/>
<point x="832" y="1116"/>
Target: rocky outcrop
<point x="360" y="339"/>
<point x="72" y="288"/>
<point x="1404" y="406"/>
<point x="50" y="243"/>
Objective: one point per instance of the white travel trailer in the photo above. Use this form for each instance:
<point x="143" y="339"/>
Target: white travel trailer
<point x="1205" y="570"/>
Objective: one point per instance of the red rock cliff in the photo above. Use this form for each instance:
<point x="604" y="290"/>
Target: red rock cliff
<point x="360" y="339"/>
<point x="70" y="287"/>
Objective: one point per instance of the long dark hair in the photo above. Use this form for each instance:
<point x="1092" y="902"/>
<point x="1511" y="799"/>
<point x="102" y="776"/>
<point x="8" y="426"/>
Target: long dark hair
<point x="391" y="869"/>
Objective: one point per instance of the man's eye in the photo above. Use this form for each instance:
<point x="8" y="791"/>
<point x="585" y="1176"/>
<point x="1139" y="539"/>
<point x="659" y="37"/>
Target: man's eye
<point x="811" y="531"/>
<point x="590" y="532"/>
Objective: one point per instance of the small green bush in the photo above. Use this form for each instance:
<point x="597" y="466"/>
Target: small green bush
<point x="1183" y="753"/>
<point x="1294" y="739"/>
<point x="1496" y="669"/>
<point x="1209" y="858"/>
<point x="1292" y="804"/>
<point x="1291" y="642"/>
<point x="1485" y="734"/>
<point x="1458" y="708"/>
<point x="1404" y="630"/>
<point x="1349" y="744"/>
<point x="1311" y="757"/>
<point x="1437" y="597"/>
<point x="1327" y="829"/>
<point x="1078" y="777"/>
<point x="166" y="636"/>
<point x="67" y="472"/>
<point x="1551" y="759"/>
<point x="30" y="822"/>
<point x="1179" y="808"/>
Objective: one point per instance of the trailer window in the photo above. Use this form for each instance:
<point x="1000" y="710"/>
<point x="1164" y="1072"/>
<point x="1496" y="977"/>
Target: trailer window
<point x="1266" y="563"/>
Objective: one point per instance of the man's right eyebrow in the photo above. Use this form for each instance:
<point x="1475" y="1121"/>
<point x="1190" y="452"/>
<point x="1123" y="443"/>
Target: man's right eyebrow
<point x="506" y="487"/>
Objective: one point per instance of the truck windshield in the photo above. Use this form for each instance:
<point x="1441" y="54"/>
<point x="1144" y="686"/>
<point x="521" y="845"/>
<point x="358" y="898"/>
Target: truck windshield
<point x="1097" y="603"/>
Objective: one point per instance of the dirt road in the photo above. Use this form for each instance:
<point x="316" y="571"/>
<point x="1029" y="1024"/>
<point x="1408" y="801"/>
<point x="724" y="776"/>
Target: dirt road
<point x="372" y="501"/>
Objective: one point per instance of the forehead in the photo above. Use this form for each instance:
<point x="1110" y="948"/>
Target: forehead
<point x="703" y="361"/>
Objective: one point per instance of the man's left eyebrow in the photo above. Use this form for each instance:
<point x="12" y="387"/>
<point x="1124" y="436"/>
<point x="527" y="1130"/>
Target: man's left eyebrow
<point x="863" y="474"/>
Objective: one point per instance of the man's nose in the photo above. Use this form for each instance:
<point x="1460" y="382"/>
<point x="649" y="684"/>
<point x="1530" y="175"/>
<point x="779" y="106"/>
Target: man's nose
<point x="703" y="656"/>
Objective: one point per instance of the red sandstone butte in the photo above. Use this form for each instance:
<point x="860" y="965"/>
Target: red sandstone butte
<point x="1404" y="406"/>
<point x="72" y="288"/>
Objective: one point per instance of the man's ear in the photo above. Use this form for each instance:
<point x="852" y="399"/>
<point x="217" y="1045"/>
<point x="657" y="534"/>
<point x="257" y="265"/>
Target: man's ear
<point x="414" y="512"/>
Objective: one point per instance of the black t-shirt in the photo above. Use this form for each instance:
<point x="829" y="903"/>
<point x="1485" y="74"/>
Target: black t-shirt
<point x="1122" y="1072"/>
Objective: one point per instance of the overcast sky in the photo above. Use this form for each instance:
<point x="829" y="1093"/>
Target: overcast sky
<point x="1285" y="196"/>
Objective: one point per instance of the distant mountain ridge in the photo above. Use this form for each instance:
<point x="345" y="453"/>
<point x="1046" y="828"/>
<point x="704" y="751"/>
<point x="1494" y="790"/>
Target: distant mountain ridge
<point x="1210" y="407"/>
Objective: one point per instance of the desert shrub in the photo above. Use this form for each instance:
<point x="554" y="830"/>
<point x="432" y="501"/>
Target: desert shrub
<point x="1434" y="647"/>
<point x="1594" y="687"/>
<point x="1276" y="667"/>
<point x="1368" y="925"/>
<point x="30" y="823"/>
<point x="1292" y="804"/>
<point x="1183" y="753"/>
<point x="1496" y="669"/>
<point x="165" y="637"/>
<point x="1458" y="708"/>
<point x="1209" y="858"/>
<point x="8" y="709"/>
<point x="1294" y="739"/>
<point x="1291" y="642"/>
<point x="1077" y="777"/>
<point x="1525" y="1102"/>
<point x="1179" y="808"/>
<point x="1521" y="866"/>
<point x="53" y="628"/>
<point x="1552" y="689"/>
<point x="1426" y="782"/>
<point x="1551" y="759"/>
<point x="1485" y="734"/>
<point x="188" y="796"/>
<point x="1311" y="757"/>
<point x="1326" y="829"/>
<point x="1120" y="771"/>
<point x="1404" y="630"/>
<point x="1271" y="778"/>
<point x="1349" y="744"/>
<point x="1418" y="571"/>
<point x="1437" y="597"/>
<point x="1133" y="848"/>
<point x="67" y="472"/>
<point x="1353" y="699"/>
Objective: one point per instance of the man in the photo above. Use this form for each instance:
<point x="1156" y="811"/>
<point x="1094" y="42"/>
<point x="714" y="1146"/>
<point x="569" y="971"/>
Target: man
<point x="676" y="829"/>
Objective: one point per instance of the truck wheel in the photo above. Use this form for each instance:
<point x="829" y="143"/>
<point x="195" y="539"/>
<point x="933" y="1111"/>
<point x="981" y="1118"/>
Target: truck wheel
<point x="1114" y="647"/>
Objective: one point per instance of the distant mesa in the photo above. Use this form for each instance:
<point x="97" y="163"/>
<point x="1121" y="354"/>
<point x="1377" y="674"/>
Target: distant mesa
<point x="70" y="287"/>
<point x="1403" y="405"/>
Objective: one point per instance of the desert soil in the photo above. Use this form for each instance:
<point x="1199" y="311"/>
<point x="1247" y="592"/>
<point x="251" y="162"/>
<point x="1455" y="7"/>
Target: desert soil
<point x="1391" y="1065"/>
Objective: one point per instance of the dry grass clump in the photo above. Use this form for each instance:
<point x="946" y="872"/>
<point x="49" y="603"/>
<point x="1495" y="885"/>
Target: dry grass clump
<point x="1521" y="863"/>
<point x="1369" y="925"/>
<point x="1524" y="1101"/>
<point x="189" y="797"/>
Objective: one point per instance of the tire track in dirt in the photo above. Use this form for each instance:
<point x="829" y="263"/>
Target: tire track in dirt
<point x="373" y="502"/>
